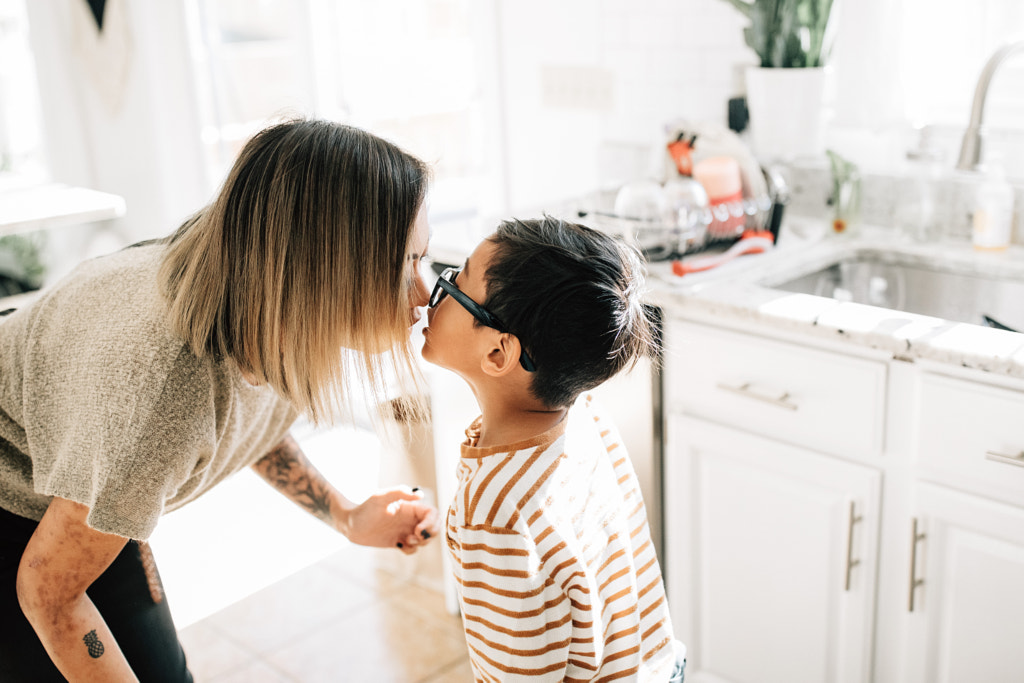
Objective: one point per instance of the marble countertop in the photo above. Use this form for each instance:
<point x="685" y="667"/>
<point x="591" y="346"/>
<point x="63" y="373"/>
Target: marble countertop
<point x="740" y="291"/>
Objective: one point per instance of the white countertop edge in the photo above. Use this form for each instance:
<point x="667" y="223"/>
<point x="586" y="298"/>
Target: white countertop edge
<point x="734" y="292"/>
<point x="29" y="207"/>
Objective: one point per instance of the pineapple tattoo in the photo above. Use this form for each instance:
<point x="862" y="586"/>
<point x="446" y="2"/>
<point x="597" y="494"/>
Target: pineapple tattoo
<point x="92" y="641"/>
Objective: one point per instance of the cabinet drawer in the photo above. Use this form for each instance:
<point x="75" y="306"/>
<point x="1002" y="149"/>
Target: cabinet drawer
<point x="971" y="436"/>
<point x="818" y="399"/>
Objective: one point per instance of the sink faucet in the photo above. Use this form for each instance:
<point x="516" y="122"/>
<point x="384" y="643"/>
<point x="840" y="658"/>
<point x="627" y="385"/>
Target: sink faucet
<point x="970" y="149"/>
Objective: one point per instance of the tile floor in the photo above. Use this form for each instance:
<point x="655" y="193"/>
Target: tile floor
<point x="280" y="598"/>
<point x="341" y="619"/>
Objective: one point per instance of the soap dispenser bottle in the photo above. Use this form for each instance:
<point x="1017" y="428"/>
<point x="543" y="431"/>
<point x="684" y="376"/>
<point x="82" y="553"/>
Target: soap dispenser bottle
<point x="991" y="210"/>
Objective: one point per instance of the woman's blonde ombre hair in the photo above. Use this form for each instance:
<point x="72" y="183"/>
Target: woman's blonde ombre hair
<point x="297" y="271"/>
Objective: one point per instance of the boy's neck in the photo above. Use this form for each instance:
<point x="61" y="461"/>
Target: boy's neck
<point x="511" y="419"/>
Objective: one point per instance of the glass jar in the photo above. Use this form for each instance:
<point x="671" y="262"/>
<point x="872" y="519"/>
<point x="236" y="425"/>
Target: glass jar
<point x="916" y="205"/>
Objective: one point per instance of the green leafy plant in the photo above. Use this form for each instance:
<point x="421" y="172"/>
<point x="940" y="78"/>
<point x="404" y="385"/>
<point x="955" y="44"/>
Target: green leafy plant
<point x="21" y="264"/>
<point x="788" y="34"/>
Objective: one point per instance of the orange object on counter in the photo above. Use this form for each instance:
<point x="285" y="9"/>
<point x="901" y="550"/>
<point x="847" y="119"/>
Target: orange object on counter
<point x="681" y="151"/>
<point x="752" y="242"/>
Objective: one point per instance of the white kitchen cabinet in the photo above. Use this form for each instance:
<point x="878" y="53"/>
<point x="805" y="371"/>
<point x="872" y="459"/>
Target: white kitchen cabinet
<point x="970" y="437"/>
<point x="771" y="557"/>
<point x="758" y="487"/>
<point x="825" y="401"/>
<point x="966" y="623"/>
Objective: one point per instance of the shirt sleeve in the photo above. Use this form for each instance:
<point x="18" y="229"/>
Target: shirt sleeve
<point x="123" y="441"/>
<point x="116" y="412"/>
<point x="518" y="622"/>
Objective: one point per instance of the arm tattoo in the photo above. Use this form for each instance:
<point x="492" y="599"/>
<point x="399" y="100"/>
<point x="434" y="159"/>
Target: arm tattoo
<point x="288" y="469"/>
<point x="92" y="642"/>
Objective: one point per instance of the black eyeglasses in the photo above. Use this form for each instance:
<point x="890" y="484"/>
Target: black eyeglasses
<point x="445" y="285"/>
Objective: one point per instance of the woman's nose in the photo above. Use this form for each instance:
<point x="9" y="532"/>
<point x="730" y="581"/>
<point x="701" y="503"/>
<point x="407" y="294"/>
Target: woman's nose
<point x="419" y="295"/>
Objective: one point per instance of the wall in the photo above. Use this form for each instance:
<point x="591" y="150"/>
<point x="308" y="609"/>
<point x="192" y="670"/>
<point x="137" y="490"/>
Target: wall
<point x="118" y="108"/>
<point x="639" y="64"/>
<point x="579" y="94"/>
<point x="667" y="59"/>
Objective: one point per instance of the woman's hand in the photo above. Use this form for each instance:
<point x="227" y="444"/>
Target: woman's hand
<point x="390" y="518"/>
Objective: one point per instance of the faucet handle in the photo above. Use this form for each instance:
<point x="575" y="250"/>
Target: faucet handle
<point x="970" y="149"/>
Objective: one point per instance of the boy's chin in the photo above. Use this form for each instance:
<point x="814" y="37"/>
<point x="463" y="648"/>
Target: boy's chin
<point x="437" y="362"/>
<point x="427" y="354"/>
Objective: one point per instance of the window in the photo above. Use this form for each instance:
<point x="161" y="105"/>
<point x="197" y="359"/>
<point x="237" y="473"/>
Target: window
<point x="404" y="69"/>
<point x="21" y="141"/>
<point x="947" y="42"/>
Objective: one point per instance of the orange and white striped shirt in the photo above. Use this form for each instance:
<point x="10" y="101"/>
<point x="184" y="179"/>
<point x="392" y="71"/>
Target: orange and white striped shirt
<point x="557" y="575"/>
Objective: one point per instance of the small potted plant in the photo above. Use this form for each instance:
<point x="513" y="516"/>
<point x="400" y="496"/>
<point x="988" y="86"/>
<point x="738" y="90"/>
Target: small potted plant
<point x="785" y="94"/>
<point x="21" y="266"/>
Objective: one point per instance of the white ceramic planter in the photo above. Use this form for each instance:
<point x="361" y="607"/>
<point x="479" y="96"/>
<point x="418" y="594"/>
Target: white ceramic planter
<point x="787" y="112"/>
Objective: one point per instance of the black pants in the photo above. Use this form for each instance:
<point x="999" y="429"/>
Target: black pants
<point x="122" y="594"/>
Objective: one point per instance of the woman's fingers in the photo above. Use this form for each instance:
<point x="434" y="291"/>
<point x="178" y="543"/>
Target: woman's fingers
<point x="427" y="526"/>
<point x="410" y="504"/>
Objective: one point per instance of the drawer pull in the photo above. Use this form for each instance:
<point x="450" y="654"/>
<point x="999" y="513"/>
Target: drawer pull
<point x="850" y="561"/>
<point x="781" y="401"/>
<point x="915" y="538"/>
<point x="1017" y="460"/>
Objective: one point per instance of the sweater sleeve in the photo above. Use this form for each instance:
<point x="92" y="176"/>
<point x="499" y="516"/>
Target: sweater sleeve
<point x="102" y="404"/>
<point x="124" y="442"/>
<point x="116" y="410"/>
<point x="518" y="623"/>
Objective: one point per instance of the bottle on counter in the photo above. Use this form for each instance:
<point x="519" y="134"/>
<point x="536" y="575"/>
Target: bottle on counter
<point x="917" y="206"/>
<point x="991" y="209"/>
<point x="723" y="182"/>
<point x="845" y="197"/>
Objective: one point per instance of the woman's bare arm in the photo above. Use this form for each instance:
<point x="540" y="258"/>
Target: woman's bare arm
<point x="62" y="559"/>
<point x="395" y="517"/>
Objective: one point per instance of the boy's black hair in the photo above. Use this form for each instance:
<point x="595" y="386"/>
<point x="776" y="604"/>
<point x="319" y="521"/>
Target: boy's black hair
<point x="572" y="295"/>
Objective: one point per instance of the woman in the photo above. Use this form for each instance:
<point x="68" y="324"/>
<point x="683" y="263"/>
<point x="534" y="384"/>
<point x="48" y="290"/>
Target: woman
<point x="147" y="376"/>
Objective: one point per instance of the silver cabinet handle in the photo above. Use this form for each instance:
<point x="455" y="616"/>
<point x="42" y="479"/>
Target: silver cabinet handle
<point x="915" y="538"/>
<point x="1017" y="460"/>
<point x="745" y="389"/>
<point x="850" y="561"/>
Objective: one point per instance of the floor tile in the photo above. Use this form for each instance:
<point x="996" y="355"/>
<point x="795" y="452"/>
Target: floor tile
<point x="255" y="672"/>
<point x="285" y="611"/>
<point x="383" y="642"/>
<point x="209" y="653"/>
<point x="461" y="672"/>
<point x="367" y="567"/>
<point x="428" y="605"/>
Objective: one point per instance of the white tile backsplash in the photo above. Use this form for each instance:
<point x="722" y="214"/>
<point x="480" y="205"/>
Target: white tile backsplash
<point x="669" y="60"/>
<point x="882" y="194"/>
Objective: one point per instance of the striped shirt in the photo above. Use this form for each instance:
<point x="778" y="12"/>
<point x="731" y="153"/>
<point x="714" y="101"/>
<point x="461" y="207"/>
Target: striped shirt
<point x="557" y="575"/>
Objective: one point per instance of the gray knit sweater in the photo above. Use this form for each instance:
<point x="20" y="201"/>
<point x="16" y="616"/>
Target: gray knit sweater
<point x="102" y="405"/>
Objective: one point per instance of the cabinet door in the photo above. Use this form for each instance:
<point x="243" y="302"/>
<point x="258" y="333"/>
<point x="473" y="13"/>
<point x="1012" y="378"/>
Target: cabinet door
<point x="771" y="555"/>
<point x="967" y="622"/>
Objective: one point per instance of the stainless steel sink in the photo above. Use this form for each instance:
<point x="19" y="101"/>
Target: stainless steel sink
<point x="899" y="283"/>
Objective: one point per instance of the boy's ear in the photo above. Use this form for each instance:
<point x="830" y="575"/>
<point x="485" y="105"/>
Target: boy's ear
<point x="503" y="356"/>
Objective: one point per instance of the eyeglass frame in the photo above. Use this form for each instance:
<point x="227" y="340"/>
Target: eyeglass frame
<point x="445" y="285"/>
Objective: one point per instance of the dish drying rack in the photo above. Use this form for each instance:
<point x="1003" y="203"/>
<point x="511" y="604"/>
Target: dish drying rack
<point x="696" y="228"/>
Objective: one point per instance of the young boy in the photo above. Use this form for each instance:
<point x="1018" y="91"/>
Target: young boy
<point x="557" y="576"/>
